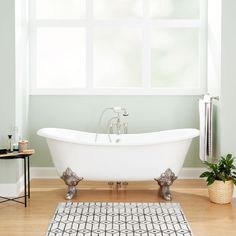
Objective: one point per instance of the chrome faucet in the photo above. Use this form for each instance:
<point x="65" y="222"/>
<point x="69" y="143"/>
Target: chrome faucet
<point x="115" y="125"/>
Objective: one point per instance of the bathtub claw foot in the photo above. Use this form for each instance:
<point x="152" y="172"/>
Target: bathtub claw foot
<point x="165" y="181"/>
<point x="71" y="192"/>
<point x="71" y="180"/>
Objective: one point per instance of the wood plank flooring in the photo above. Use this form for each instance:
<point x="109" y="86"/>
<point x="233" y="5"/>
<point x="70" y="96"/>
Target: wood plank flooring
<point x="205" y="218"/>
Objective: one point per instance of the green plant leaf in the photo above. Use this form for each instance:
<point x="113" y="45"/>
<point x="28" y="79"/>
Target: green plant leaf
<point x="210" y="180"/>
<point x="229" y="156"/>
<point x="223" y="170"/>
<point x="220" y="176"/>
<point x="210" y="165"/>
<point x="205" y="174"/>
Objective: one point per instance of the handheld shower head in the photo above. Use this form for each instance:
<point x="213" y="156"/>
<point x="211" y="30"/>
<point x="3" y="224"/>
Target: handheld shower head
<point x="120" y="110"/>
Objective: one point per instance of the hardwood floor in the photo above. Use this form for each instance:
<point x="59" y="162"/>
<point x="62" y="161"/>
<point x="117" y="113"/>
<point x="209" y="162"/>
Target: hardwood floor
<point x="205" y="218"/>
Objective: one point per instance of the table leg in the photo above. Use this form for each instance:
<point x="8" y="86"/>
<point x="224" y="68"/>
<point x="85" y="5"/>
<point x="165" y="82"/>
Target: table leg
<point x="25" y="182"/>
<point x="28" y="159"/>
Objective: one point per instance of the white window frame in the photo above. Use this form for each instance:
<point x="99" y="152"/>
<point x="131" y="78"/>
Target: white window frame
<point x="89" y="23"/>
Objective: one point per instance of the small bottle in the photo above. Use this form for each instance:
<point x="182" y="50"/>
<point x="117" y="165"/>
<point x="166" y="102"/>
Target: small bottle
<point x="15" y="147"/>
<point x="10" y="142"/>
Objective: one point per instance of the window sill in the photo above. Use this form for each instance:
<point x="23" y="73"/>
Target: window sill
<point x="121" y="91"/>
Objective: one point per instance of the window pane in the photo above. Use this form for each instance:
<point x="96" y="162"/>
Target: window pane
<point x="60" y="9"/>
<point x="117" y="57"/>
<point x="175" y="58"/>
<point x="60" y="58"/>
<point x="117" y="8"/>
<point x="178" y="9"/>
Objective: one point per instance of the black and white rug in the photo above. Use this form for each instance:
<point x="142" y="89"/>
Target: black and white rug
<point x="118" y="219"/>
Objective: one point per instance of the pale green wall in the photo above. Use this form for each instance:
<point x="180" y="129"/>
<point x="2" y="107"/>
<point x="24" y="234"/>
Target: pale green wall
<point x="228" y="78"/>
<point x="222" y="71"/>
<point x="12" y="89"/>
<point x="147" y="113"/>
<point x="9" y="170"/>
<point x="7" y="69"/>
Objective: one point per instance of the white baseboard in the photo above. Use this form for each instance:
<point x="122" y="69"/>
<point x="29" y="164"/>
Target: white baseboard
<point x="190" y="173"/>
<point x="51" y="173"/>
<point x="12" y="189"/>
<point x="43" y="173"/>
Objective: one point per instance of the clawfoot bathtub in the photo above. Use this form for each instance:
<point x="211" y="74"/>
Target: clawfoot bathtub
<point x="129" y="157"/>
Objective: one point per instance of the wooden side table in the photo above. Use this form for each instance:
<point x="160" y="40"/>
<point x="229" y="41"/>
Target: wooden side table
<point x="25" y="155"/>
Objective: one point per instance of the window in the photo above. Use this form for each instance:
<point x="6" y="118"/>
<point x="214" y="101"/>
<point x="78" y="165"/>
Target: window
<point x="117" y="46"/>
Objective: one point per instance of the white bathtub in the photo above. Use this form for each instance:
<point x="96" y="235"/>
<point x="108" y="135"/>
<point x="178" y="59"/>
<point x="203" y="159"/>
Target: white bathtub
<point x="131" y="157"/>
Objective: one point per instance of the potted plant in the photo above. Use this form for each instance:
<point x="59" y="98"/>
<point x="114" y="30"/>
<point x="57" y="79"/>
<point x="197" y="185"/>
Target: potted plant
<point x="221" y="177"/>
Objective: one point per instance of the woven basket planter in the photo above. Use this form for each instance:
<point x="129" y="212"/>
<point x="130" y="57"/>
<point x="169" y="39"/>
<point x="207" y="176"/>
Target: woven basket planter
<point x="221" y="192"/>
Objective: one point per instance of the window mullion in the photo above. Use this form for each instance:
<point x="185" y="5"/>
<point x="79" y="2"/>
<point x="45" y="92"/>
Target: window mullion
<point x="32" y="43"/>
<point x="146" y="78"/>
<point x="145" y="23"/>
<point x="89" y="44"/>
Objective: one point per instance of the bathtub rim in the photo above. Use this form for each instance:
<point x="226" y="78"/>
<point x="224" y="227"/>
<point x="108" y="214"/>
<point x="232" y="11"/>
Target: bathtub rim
<point x="193" y="132"/>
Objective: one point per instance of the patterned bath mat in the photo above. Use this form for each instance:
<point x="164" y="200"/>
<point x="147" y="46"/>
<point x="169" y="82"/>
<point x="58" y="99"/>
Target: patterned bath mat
<point x="118" y="219"/>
